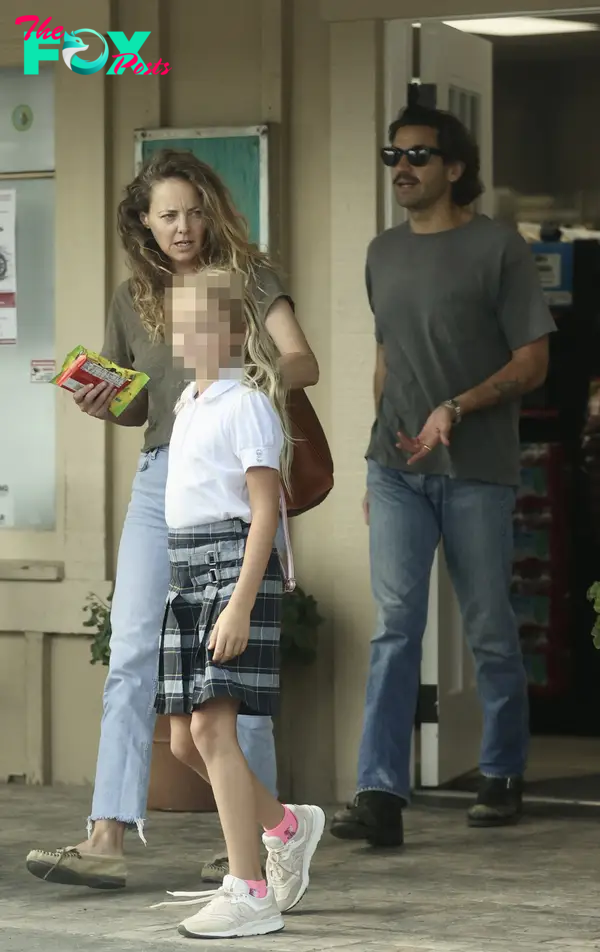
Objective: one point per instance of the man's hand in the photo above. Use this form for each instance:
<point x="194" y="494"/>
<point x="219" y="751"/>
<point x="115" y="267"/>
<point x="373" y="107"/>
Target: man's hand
<point x="436" y="430"/>
<point x="230" y="635"/>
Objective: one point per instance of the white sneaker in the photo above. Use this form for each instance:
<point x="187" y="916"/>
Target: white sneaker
<point x="231" y="913"/>
<point x="288" y="866"/>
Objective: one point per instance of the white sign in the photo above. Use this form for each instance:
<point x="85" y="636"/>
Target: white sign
<point x="8" y="319"/>
<point x="8" y="267"/>
<point x="8" y="260"/>
<point x="549" y="269"/>
<point x="559" y="298"/>
<point x="42" y="371"/>
<point x="7" y="508"/>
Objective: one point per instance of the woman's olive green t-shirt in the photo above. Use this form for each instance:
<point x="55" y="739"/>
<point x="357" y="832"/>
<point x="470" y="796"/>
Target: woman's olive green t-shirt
<point x="127" y="343"/>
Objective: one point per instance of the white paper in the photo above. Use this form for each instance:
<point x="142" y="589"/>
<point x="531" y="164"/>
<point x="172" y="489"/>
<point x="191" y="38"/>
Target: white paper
<point x="8" y="324"/>
<point x="549" y="269"/>
<point x="42" y="371"/>
<point x="8" y="262"/>
<point x="7" y="508"/>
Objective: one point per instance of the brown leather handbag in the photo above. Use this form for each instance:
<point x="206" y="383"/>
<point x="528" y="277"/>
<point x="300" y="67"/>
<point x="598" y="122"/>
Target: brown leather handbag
<point x="312" y="465"/>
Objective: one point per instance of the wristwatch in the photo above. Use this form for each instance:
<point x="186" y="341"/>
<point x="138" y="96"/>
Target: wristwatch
<point x="454" y="407"/>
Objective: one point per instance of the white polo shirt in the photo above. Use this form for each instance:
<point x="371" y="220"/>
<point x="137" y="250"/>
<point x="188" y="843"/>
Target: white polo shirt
<point x="217" y="436"/>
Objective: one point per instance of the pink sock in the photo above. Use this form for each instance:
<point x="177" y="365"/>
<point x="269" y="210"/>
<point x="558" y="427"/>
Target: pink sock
<point x="258" y="888"/>
<point x="286" y="829"/>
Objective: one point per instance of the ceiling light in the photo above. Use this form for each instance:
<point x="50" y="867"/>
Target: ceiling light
<point x="521" y="26"/>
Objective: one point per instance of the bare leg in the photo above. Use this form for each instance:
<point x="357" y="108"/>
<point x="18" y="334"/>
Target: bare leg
<point x="218" y="754"/>
<point x="107" y="838"/>
<point x="269" y="811"/>
<point x="183" y="746"/>
<point x="214" y="733"/>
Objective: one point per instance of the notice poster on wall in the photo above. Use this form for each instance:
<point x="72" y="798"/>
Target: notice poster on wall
<point x="8" y="267"/>
<point x="7" y="508"/>
<point x="8" y="272"/>
<point x="8" y="319"/>
<point x="42" y="371"/>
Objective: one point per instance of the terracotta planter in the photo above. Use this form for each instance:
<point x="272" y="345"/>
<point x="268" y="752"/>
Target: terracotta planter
<point x="173" y="786"/>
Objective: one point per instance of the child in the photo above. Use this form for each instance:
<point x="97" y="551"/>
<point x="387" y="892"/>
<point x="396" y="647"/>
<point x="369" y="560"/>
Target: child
<point x="220" y="642"/>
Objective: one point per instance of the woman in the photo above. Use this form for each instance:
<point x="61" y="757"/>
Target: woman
<point x="176" y="216"/>
<point x="219" y="653"/>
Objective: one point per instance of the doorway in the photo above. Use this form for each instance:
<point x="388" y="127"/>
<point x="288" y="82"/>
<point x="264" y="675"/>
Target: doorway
<point x="527" y="89"/>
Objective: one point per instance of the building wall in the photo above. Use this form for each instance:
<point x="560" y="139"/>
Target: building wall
<point x="232" y="63"/>
<point x="240" y="61"/>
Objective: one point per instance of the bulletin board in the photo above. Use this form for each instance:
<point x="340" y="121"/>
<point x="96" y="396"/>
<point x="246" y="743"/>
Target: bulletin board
<point x="240" y="156"/>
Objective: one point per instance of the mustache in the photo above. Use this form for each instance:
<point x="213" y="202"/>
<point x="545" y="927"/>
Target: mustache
<point x="403" y="179"/>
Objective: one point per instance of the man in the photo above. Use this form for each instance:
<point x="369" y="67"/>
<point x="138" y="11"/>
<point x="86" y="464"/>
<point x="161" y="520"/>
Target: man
<point x="462" y="332"/>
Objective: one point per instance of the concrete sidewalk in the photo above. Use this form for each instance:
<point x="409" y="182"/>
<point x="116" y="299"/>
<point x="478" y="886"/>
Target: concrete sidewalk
<point x="532" y="887"/>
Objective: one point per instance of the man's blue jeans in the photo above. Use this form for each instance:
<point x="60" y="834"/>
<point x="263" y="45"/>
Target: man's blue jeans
<point x="409" y="514"/>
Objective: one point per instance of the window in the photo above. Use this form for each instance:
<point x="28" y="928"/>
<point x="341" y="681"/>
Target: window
<point x="27" y="423"/>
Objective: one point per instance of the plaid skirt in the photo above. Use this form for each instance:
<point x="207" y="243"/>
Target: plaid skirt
<point x="205" y="566"/>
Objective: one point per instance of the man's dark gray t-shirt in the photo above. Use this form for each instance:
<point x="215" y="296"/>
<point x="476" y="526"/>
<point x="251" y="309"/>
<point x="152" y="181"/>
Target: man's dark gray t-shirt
<point x="450" y="308"/>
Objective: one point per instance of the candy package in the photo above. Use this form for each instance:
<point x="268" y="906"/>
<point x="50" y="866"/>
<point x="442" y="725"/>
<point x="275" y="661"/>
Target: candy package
<point x="82" y="367"/>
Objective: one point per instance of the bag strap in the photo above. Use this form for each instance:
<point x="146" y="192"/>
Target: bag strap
<point x="288" y="569"/>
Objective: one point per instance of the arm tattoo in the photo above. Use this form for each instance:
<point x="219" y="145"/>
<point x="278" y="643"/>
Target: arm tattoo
<point x="508" y="389"/>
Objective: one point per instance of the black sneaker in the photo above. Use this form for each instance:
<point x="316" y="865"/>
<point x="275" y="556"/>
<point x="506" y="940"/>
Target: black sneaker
<point x="374" y="816"/>
<point x="499" y="802"/>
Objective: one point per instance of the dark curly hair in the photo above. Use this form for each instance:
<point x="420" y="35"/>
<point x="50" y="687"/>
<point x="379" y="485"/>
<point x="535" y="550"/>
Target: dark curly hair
<point x="456" y="143"/>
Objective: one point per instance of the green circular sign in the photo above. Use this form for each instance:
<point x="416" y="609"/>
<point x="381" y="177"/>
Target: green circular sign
<point x="22" y="118"/>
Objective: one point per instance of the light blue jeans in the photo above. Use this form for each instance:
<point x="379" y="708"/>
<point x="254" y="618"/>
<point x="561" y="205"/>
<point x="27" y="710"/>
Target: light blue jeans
<point x="123" y="768"/>
<point x="408" y="516"/>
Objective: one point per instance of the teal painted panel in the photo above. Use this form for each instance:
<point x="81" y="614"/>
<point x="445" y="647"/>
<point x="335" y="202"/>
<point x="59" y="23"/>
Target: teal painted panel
<point x="236" y="159"/>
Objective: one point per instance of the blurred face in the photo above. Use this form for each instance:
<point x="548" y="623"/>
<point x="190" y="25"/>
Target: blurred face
<point x="205" y="323"/>
<point x="423" y="182"/>
<point x="175" y="219"/>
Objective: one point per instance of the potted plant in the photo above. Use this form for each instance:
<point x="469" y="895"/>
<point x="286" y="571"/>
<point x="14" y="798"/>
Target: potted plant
<point x="594" y="597"/>
<point x="173" y="786"/>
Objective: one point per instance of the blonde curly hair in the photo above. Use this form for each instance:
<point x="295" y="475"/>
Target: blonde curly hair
<point x="226" y="241"/>
<point x="227" y="248"/>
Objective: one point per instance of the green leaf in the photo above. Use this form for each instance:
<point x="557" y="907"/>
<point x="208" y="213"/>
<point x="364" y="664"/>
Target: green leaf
<point x="300" y="622"/>
<point x="98" y="612"/>
<point x="594" y="597"/>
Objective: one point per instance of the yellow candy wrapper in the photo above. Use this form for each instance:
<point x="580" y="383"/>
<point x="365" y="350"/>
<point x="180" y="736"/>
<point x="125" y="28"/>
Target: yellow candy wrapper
<point x="82" y="367"/>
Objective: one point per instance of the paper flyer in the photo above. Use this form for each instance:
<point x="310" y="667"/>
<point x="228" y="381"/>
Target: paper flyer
<point x="7" y="509"/>
<point x="8" y="319"/>
<point x="8" y="263"/>
<point x="8" y="267"/>
<point x="42" y="371"/>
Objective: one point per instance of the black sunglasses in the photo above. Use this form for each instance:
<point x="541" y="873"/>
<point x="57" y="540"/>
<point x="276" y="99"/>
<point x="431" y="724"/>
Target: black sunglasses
<point x="418" y="155"/>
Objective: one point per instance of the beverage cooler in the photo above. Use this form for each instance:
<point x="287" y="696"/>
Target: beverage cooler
<point x="557" y="533"/>
<point x="541" y="591"/>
